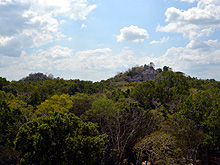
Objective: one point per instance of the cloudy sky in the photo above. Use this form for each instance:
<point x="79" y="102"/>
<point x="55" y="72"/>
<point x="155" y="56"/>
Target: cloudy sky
<point x="95" y="39"/>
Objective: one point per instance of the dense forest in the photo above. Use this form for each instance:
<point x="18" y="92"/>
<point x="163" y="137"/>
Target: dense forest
<point x="140" y="116"/>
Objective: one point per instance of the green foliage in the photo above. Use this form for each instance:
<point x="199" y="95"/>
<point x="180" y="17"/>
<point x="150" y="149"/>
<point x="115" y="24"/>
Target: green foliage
<point x="3" y="82"/>
<point x="101" y="109"/>
<point x="59" y="139"/>
<point x="124" y="122"/>
<point x="10" y="121"/>
<point x="174" y="83"/>
<point x="37" y="77"/>
<point x="159" y="148"/>
<point x="144" y="94"/>
<point x="57" y="103"/>
<point x="188" y="135"/>
<point x="203" y="108"/>
<point x="81" y="104"/>
<point x="172" y="119"/>
<point x="167" y="68"/>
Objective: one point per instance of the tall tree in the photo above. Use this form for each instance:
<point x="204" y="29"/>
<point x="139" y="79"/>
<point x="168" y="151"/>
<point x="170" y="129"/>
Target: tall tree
<point x="59" y="139"/>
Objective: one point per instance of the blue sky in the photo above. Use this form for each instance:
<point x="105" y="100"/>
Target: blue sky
<point x="95" y="39"/>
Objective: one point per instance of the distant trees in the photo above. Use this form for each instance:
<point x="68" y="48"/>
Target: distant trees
<point x="37" y="77"/>
<point x="172" y="119"/>
<point x="167" y="68"/>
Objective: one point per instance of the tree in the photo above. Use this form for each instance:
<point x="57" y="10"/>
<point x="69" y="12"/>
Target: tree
<point x="124" y="122"/>
<point x="152" y="65"/>
<point x="188" y="136"/>
<point x="171" y="89"/>
<point x="59" y="139"/>
<point x="203" y="109"/>
<point x="80" y="104"/>
<point x="159" y="148"/>
<point x="3" y="82"/>
<point x="57" y="103"/>
<point x="167" y="68"/>
<point x="10" y="121"/>
<point x="144" y="94"/>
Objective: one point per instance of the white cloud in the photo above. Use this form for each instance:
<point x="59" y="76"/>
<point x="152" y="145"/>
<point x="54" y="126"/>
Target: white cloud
<point x="4" y="2"/>
<point x="93" y="65"/>
<point x="74" y="9"/>
<point x="195" y="22"/>
<point x="39" y="61"/>
<point x="83" y="25"/>
<point x="56" y="52"/>
<point x="80" y="10"/>
<point x="161" y="41"/>
<point x="98" y="64"/>
<point x="33" y="23"/>
<point x="132" y="34"/>
<point x="196" y="59"/>
<point x="209" y="45"/>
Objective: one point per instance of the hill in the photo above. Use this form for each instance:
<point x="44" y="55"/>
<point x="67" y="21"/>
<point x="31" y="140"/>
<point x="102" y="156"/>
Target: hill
<point x="37" y="77"/>
<point x="136" y="74"/>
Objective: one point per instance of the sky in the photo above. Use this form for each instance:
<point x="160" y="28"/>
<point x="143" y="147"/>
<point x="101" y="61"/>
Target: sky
<point x="96" y="39"/>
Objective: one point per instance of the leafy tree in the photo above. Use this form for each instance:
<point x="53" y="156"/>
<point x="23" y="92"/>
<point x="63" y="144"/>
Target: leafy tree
<point x="3" y="82"/>
<point x="144" y="94"/>
<point x="159" y="148"/>
<point x="37" y="96"/>
<point x="59" y="139"/>
<point x="188" y="136"/>
<point x="17" y="103"/>
<point x="10" y="121"/>
<point x="202" y="108"/>
<point x="123" y="122"/>
<point x="174" y="82"/>
<point x="80" y="104"/>
<point x="57" y="103"/>
<point x="167" y="68"/>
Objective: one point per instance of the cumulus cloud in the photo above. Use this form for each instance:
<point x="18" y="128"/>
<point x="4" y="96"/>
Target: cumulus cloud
<point x="161" y="41"/>
<point x="132" y="34"/>
<point x="196" y="59"/>
<point x="56" y="52"/>
<point x="209" y="45"/>
<point x="195" y="22"/>
<point x="98" y="64"/>
<point x="199" y="57"/>
<point x="33" y="23"/>
<point x="39" y="61"/>
<point x="95" y="64"/>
